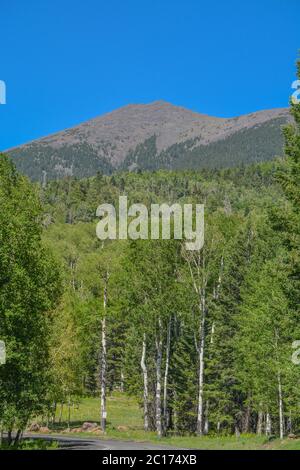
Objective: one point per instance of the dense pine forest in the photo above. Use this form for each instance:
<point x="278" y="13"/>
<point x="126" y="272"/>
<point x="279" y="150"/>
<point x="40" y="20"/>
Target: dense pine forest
<point x="204" y="340"/>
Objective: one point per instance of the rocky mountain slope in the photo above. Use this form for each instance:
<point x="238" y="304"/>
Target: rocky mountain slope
<point x="152" y="136"/>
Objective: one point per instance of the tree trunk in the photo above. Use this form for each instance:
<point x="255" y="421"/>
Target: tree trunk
<point x="9" y="437"/>
<point x="122" y="381"/>
<point x="259" y="423"/>
<point x="69" y="412"/>
<point x="280" y="404"/>
<point x="17" y="437"/>
<point x="206" y="423"/>
<point x="54" y="412"/>
<point x="289" y="425"/>
<point x="201" y="364"/>
<point x="103" y="376"/>
<point x="175" y="413"/>
<point x="246" y="423"/>
<point x="145" y="378"/>
<point x="280" y="401"/>
<point x="268" y="425"/>
<point x="165" y="410"/>
<point x="104" y="360"/>
<point x="158" y="380"/>
<point x="60" y="412"/>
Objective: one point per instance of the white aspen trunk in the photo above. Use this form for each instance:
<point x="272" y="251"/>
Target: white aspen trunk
<point x="201" y="365"/>
<point x="165" y="400"/>
<point x="145" y="377"/>
<point x="122" y="381"/>
<point x="206" y="424"/>
<point x="158" y="380"/>
<point x="280" y="403"/>
<point x="103" y="360"/>
<point x="268" y="424"/>
<point x="259" y="423"/>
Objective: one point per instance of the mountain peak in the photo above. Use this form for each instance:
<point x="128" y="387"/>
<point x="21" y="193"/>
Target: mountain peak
<point x="122" y="139"/>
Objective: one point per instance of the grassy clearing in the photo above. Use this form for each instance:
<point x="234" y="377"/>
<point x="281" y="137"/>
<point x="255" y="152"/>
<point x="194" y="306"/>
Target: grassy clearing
<point x="125" y="423"/>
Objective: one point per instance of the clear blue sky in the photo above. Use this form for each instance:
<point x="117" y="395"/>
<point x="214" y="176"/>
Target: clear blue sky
<point x="68" y="61"/>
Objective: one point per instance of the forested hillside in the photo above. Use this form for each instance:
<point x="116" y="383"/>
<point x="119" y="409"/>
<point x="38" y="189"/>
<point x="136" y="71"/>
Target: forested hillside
<point x="174" y="318"/>
<point x="203" y="339"/>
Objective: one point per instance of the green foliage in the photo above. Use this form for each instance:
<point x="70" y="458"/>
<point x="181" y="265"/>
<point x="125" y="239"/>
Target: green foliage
<point x="29" y="289"/>
<point x="236" y="300"/>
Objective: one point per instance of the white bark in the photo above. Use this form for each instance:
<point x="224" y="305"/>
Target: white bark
<point x="122" y="381"/>
<point x="280" y="403"/>
<point x="158" y="380"/>
<point x="104" y="358"/>
<point x="165" y="400"/>
<point x="206" y="424"/>
<point x="145" y="377"/>
<point x="259" y="423"/>
<point x="268" y="425"/>
<point x="201" y="364"/>
<point x="199" y="275"/>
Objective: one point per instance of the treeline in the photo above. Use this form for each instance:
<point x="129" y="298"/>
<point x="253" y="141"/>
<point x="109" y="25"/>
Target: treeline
<point x="253" y="145"/>
<point x="73" y="200"/>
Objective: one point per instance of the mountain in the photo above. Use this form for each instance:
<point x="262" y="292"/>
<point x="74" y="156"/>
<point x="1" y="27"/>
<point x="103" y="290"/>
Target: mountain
<point x="152" y="136"/>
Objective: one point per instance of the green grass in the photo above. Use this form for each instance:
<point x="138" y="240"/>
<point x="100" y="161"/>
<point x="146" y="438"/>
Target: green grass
<point x="36" y="444"/>
<point x="121" y="411"/>
<point x="125" y="423"/>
